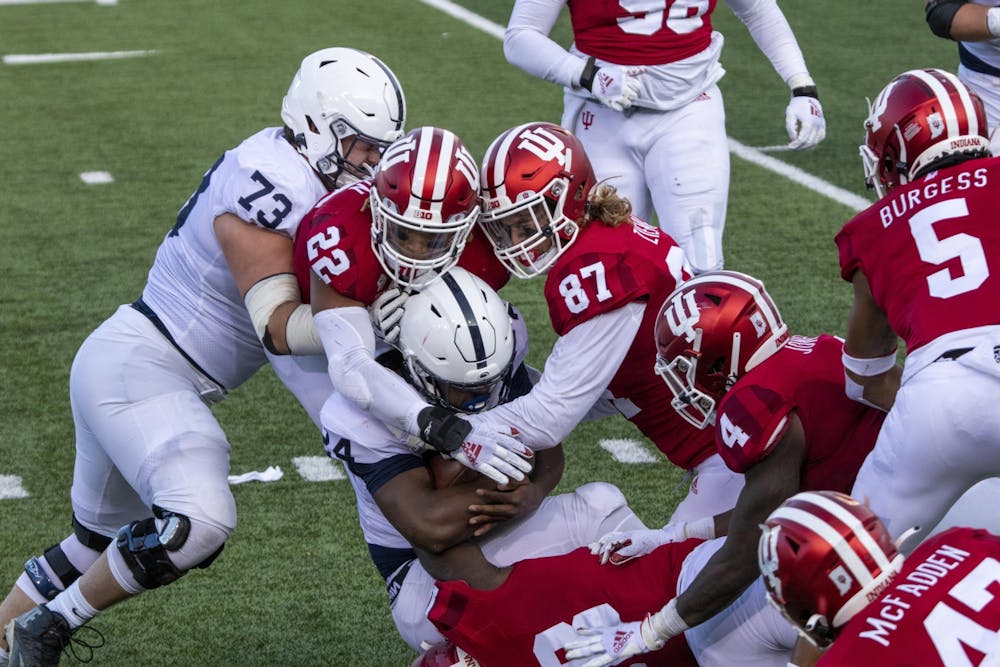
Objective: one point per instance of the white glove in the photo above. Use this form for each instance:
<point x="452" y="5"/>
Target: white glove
<point x="476" y="443"/>
<point x="620" y="547"/>
<point x="615" y="86"/>
<point x="804" y="122"/>
<point x="386" y="312"/>
<point x="612" y="645"/>
<point x="494" y="453"/>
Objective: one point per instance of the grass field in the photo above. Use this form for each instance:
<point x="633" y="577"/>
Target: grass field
<point x="295" y="586"/>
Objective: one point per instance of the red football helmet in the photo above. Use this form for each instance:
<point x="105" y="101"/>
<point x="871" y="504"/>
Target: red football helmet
<point x="425" y="200"/>
<point x="709" y="332"/>
<point x="445" y="655"/>
<point x="924" y="117"/>
<point x="536" y="179"/>
<point x="824" y="556"/>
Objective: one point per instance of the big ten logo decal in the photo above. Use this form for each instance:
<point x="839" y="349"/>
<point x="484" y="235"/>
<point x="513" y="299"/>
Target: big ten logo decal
<point x="545" y="145"/>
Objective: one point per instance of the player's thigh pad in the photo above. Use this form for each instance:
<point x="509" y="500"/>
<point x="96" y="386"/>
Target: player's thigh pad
<point x="409" y="607"/>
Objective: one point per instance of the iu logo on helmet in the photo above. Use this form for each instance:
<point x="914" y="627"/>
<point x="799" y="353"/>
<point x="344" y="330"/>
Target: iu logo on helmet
<point x="545" y="145"/>
<point x="682" y="315"/>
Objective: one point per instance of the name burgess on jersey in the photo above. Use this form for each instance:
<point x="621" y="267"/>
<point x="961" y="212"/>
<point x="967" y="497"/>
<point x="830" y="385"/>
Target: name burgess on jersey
<point x="932" y="188"/>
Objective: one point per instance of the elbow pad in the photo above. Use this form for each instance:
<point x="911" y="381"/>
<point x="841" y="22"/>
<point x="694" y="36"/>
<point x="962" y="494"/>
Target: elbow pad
<point x="264" y="297"/>
<point x="940" y="14"/>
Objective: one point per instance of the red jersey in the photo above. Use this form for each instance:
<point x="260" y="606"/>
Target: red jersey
<point x="647" y="36"/>
<point x="334" y="240"/>
<point x="931" y="252"/>
<point x="605" y="269"/>
<point x="942" y="610"/>
<point x="527" y="619"/>
<point x="807" y="376"/>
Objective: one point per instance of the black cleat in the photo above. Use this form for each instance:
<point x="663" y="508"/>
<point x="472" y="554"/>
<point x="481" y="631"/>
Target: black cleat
<point x="37" y="638"/>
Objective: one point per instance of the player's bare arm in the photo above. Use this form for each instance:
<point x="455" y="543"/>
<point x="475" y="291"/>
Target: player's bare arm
<point x="871" y="344"/>
<point x="509" y="501"/>
<point x="733" y="567"/>
<point x="430" y="519"/>
<point x="961" y="20"/>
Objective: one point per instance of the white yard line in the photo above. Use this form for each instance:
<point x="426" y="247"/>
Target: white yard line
<point x="11" y="487"/>
<point x="46" y="58"/>
<point x="52" y="2"/>
<point x="318" y="468"/>
<point x="803" y="178"/>
<point x="628" y="451"/>
<point x="96" y="177"/>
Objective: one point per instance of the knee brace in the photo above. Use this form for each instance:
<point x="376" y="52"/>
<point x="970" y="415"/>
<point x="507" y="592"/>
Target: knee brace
<point x="54" y="571"/>
<point x="146" y="545"/>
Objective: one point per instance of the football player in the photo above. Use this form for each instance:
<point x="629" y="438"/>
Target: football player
<point x="641" y="93"/>
<point x="400" y="229"/>
<point x="832" y="568"/>
<point x="463" y="352"/>
<point x="150" y="493"/>
<point x="606" y="274"/>
<point x="781" y="418"/>
<point x="975" y="25"/>
<point x="925" y="264"/>
<point x="522" y="615"/>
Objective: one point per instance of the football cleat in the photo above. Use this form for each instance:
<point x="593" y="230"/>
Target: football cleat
<point x="37" y="638"/>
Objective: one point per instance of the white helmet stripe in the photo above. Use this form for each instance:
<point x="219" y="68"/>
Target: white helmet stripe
<point x="499" y="165"/>
<point x="963" y="93"/>
<point x="831" y="536"/>
<point x="435" y="189"/>
<point x="852" y="522"/>
<point x="947" y="106"/>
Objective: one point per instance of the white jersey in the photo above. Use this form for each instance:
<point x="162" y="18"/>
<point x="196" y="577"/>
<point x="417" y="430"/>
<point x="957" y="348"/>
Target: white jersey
<point x="987" y="51"/>
<point x="265" y="181"/>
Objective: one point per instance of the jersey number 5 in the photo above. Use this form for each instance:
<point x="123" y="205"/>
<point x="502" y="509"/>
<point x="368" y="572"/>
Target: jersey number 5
<point x="967" y="249"/>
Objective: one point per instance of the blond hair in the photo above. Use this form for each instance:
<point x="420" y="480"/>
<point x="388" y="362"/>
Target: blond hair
<point x="604" y="204"/>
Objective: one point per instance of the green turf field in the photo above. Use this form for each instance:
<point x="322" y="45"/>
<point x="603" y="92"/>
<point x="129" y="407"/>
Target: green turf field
<point x="295" y="586"/>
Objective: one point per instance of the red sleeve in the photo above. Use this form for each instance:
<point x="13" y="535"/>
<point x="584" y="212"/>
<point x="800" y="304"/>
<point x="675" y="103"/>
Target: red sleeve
<point x="850" y="262"/>
<point x="750" y="421"/>
<point x="591" y="283"/>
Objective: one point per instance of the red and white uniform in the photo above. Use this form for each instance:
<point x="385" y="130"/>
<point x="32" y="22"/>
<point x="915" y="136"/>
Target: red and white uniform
<point x="941" y="610"/>
<point x="673" y="154"/>
<point x="527" y="619"/>
<point x="805" y="376"/>
<point x="603" y="295"/>
<point x="335" y="241"/>
<point x="930" y="251"/>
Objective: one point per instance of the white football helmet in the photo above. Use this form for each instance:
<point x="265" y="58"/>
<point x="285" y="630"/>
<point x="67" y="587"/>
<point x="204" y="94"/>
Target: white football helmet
<point x="457" y="342"/>
<point x="337" y="94"/>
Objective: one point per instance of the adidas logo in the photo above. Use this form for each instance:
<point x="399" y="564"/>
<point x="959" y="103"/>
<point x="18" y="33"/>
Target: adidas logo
<point x="472" y="451"/>
<point x="621" y="639"/>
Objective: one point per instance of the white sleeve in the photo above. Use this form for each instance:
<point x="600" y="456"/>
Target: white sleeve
<point x="576" y="375"/>
<point x="774" y="37"/>
<point x="349" y="342"/>
<point x="526" y="43"/>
